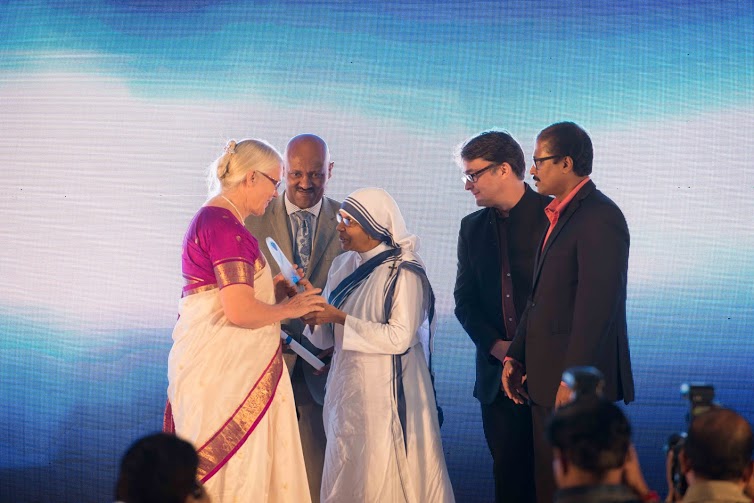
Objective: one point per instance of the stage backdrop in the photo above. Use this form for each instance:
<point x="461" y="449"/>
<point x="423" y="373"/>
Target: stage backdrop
<point x="110" y="111"/>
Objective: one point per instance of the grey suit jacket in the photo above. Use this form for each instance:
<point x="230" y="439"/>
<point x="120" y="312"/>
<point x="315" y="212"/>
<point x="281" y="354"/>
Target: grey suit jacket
<point x="325" y="248"/>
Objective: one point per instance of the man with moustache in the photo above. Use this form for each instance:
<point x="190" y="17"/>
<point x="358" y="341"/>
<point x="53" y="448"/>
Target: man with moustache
<point x="496" y="250"/>
<point x="302" y="223"/>
<point x="576" y="314"/>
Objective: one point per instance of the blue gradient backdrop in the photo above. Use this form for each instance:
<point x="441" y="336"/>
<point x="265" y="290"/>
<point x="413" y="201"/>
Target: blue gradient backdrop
<point x="110" y="112"/>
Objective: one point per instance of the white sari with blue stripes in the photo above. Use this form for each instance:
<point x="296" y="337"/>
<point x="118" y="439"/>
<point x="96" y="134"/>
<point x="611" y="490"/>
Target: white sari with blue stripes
<point x="380" y="415"/>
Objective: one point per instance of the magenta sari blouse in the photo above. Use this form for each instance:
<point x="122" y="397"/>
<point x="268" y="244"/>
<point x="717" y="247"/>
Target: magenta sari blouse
<point x="218" y="251"/>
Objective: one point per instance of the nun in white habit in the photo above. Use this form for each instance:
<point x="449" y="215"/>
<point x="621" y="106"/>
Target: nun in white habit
<point x="380" y="414"/>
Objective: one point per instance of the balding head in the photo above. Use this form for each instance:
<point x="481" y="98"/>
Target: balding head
<point x="307" y="169"/>
<point x="719" y="445"/>
<point x="308" y="145"/>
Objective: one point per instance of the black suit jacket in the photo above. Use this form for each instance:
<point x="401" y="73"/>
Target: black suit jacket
<point x="478" y="289"/>
<point x="577" y="311"/>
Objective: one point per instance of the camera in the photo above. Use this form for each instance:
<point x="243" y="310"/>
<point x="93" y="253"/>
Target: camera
<point x="700" y="396"/>
<point x="701" y="399"/>
<point x="584" y="382"/>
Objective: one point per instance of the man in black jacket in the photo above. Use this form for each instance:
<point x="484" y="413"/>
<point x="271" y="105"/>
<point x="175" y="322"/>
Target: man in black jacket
<point x="576" y="315"/>
<point x="497" y="246"/>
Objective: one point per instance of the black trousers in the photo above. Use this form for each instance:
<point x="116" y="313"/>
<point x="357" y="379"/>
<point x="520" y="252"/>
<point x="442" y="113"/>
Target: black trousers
<point x="543" y="475"/>
<point x="508" y="430"/>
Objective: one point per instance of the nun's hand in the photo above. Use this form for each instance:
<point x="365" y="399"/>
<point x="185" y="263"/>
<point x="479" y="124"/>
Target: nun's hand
<point x="329" y="314"/>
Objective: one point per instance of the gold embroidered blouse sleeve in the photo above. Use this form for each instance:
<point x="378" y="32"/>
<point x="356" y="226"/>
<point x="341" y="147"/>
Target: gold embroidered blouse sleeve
<point x="237" y="270"/>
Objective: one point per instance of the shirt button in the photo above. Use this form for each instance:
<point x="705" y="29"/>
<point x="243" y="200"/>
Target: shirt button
<point x="510" y="319"/>
<point x="508" y="274"/>
<point x="507" y="295"/>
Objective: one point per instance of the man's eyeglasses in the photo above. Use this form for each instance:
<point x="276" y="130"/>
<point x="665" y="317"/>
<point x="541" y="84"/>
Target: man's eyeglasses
<point x="537" y="160"/>
<point x="276" y="183"/>
<point x="347" y="221"/>
<point x="473" y="177"/>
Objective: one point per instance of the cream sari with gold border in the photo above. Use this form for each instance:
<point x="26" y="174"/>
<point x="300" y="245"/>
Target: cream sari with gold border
<point x="231" y="397"/>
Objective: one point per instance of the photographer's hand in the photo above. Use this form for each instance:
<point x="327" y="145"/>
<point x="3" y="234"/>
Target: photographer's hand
<point x="633" y="478"/>
<point x="672" y="494"/>
<point x="563" y="396"/>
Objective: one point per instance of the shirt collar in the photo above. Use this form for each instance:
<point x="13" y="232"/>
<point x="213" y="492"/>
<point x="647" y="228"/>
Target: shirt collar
<point x="558" y="207"/>
<point x="291" y="208"/>
<point x="522" y="204"/>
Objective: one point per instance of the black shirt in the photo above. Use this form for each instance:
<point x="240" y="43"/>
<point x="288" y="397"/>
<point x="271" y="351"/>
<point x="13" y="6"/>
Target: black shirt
<point x="520" y="233"/>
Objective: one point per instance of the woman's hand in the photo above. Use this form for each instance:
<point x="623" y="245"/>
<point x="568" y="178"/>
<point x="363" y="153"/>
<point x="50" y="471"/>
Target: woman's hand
<point x="283" y="288"/>
<point x="328" y="314"/>
<point x="304" y="303"/>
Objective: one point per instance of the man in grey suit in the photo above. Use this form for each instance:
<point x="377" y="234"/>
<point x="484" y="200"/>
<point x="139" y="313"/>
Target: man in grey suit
<point x="302" y="222"/>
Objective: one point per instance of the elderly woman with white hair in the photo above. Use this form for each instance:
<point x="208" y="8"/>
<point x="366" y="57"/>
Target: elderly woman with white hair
<point x="380" y="415"/>
<point x="228" y="391"/>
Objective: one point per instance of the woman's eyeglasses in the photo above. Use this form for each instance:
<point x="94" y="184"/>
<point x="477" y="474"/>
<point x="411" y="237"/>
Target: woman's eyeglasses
<point x="347" y="221"/>
<point x="274" y="182"/>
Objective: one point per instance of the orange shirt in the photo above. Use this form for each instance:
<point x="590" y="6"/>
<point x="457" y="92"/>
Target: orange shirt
<point x="555" y="208"/>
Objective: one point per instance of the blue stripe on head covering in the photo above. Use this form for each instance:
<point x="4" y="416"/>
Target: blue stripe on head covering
<point x="367" y="222"/>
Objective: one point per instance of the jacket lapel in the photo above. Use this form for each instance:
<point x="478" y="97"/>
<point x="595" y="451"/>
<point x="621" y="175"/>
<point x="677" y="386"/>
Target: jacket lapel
<point x="493" y="246"/>
<point x="281" y="227"/>
<point x="570" y="210"/>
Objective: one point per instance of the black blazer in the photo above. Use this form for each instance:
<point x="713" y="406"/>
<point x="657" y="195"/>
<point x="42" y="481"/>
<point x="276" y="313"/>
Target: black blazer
<point x="577" y="311"/>
<point x="478" y="289"/>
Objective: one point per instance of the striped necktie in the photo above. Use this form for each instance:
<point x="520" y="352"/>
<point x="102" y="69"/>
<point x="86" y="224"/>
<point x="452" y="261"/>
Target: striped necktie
<point x="304" y="220"/>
